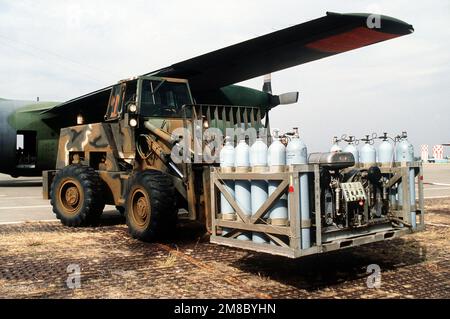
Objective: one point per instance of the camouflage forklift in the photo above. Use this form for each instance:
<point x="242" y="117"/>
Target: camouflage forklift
<point x="148" y="159"/>
<point x="126" y="160"/>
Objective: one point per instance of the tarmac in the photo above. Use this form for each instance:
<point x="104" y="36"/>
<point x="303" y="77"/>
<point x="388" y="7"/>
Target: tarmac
<point x="436" y="180"/>
<point x="21" y="198"/>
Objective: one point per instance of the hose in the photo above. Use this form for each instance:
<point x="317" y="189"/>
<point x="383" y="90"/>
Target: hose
<point x="398" y="220"/>
<point x="144" y="156"/>
<point x="148" y="139"/>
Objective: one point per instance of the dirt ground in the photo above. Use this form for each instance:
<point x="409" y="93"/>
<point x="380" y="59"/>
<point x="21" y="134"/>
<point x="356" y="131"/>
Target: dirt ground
<point x="34" y="258"/>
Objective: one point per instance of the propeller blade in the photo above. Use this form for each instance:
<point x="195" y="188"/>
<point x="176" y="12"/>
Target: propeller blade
<point x="267" y="86"/>
<point x="283" y="99"/>
<point x="288" y="98"/>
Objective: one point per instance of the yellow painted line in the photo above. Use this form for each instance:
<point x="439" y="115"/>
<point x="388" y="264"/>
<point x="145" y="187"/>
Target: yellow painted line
<point x="439" y="184"/>
<point x="436" y="197"/>
<point x="20" y="197"/>
<point x="30" y="221"/>
<point x="22" y="207"/>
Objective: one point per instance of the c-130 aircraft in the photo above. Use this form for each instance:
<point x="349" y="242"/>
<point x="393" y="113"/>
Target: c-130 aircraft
<point x="29" y="130"/>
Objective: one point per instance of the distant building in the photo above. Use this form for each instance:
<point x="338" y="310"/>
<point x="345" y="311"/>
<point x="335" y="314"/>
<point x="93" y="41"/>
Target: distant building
<point x="437" y="154"/>
<point x="424" y="153"/>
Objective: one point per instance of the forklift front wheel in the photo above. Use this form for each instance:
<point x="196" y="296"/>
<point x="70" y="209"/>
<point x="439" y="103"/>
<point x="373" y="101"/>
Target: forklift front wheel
<point x="150" y="206"/>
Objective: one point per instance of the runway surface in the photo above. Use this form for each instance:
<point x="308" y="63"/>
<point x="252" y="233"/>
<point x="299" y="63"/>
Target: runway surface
<point x="21" y="198"/>
<point x="437" y="180"/>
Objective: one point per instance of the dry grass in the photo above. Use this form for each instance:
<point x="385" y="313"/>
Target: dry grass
<point x="169" y="261"/>
<point x="438" y="211"/>
<point x="34" y="242"/>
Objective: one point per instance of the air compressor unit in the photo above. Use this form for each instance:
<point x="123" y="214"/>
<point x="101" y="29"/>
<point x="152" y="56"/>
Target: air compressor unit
<point x="348" y="204"/>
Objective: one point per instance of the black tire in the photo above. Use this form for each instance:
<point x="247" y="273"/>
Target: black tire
<point x="151" y="206"/>
<point x="77" y="196"/>
<point x="121" y="210"/>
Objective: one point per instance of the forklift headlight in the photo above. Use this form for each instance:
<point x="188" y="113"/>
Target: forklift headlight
<point x="133" y="123"/>
<point x="132" y="108"/>
<point x="205" y="124"/>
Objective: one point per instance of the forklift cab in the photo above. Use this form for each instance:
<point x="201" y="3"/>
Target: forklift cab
<point x="163" y="97"/>
<point x="149" y="96"/>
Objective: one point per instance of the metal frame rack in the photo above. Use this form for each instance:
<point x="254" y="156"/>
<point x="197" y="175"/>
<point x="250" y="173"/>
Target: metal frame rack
<point x="292" y="231"/>
<point x="400" y="172"/>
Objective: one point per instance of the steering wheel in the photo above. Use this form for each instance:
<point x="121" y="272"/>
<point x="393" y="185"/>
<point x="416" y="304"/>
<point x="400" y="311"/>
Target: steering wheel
<point x="170" y="110"/>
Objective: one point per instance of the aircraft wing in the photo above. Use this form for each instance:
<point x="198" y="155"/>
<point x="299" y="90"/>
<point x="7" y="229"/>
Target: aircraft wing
<point x="313" y="40"/>
<point x="335" y="33"/>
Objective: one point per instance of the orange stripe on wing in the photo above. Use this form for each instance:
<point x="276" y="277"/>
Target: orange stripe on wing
<point x="350" y="40"/>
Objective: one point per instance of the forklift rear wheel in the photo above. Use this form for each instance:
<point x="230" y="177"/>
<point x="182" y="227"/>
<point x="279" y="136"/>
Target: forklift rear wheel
<point x="76" y="196"/>
<point x="151" y="207"/>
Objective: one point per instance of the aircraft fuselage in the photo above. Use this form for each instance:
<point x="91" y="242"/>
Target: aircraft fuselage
<point x="27" y="144"/>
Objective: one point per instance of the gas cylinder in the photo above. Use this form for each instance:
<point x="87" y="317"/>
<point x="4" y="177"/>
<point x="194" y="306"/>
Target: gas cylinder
<point x="276" y="154"/>
<point x="258" y="154"/>
<point x="404" y="150"/>
<point x="296" y="153"/>
<point x="259" y="191"/>
<point x="242" y="190"/>
<point x="227" y="159"/>
<point x="335" y="147"/>
<point x="351" y="148"/>
<point x="368" y="154"/>
<point x="405" y="153"/>
<point x="276" y="159"/>
<point x="386" y="158"/>
<point x="385" y="151"/>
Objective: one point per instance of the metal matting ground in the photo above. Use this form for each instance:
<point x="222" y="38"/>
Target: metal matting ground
<point x="34" y="258"/>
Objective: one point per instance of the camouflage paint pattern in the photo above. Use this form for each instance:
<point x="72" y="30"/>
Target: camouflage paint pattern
<point x="116" y="182"/>
<point x="79" y="144"/>
<point x="101" y="146"/>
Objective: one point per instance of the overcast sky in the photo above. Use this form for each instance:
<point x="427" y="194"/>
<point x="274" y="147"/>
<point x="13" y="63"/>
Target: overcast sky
<point x="58" y="50"/>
